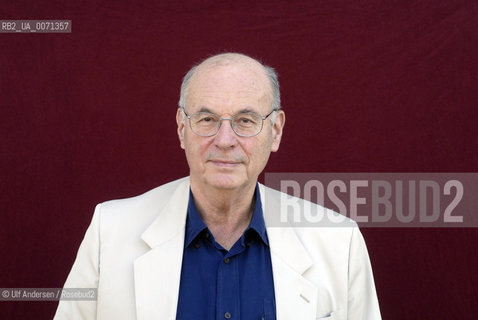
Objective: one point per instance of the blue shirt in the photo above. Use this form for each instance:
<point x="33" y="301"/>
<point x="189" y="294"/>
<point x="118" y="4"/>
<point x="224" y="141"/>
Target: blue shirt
<point x="220" y="284"/>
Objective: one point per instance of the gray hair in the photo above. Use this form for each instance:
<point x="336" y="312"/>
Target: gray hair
<point x="271" y="75"/>
<point x="184" y="87"/>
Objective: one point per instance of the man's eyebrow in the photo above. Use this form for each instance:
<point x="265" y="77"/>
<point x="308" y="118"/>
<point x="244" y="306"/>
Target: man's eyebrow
<point x="246" y="110"/>
<point x="204" y="109"/>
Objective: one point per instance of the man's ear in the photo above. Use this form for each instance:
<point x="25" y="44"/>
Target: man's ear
<point x="277" y="128"/>
<point x="181" y="127"/>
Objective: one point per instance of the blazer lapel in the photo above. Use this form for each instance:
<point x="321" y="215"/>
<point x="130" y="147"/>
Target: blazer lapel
<point x="296" y="297"/>
<point x="157" y="273"/>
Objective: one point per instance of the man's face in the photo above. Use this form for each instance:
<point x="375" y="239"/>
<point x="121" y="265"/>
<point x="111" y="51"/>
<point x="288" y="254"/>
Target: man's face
<point x="226" y="160"/>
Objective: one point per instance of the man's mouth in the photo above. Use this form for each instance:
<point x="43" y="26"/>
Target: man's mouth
<point x="224" y="163"/>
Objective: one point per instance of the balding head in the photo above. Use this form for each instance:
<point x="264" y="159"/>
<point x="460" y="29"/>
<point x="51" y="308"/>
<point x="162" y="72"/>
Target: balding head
<point x="231" y="59"/>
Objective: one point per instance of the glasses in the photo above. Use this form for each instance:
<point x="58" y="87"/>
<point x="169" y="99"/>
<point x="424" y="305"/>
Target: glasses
<point x="247" y="124"/>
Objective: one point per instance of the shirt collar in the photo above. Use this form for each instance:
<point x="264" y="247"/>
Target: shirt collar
<point x="257" y="222"/>
<point x="195" y="225"/>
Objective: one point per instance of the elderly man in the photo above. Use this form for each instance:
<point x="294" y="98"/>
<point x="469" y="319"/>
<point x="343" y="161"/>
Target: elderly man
<point x="199" y="247"/>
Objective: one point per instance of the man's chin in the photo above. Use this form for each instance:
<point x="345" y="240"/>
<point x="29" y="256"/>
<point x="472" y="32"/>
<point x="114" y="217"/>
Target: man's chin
<point x="225" y="182"/>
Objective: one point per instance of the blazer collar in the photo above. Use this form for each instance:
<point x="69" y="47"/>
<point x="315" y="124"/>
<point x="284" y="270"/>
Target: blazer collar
<point x="157" y="273"/>
<point x="296" y="296"/>
<point x="171" y="220"/>
<point x="283" y="240"/>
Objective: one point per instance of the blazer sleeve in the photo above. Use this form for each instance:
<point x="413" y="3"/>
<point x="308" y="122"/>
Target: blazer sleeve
<point x="362" y="297"/>
<point x="84" y="274"/>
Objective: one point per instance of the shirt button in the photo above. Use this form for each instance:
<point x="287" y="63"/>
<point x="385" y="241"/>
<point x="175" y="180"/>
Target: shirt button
<point x="227" y="315"/>
<point x="227" y="261"/>
<point x="197" y="245"/>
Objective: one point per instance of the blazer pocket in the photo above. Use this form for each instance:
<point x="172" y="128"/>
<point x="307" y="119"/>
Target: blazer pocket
<point x="328" y="316"/>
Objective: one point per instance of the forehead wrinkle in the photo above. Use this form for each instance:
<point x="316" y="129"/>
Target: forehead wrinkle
<point x="244" y="110"/>
<point x="245" y="99"/>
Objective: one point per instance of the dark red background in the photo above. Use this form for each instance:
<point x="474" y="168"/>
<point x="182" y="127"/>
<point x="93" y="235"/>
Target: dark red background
<point x="368" y="86"/>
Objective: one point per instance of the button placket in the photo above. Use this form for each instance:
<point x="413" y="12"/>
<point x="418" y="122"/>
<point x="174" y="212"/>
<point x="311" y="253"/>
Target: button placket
<point x="228" y="303"/>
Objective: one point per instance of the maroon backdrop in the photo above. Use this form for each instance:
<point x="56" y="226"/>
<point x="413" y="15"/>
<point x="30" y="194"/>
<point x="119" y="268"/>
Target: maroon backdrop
<point x="368" y="86"/>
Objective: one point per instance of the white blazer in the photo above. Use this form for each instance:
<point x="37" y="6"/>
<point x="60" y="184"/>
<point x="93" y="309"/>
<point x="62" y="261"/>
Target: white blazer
<point x="132" y="253"/>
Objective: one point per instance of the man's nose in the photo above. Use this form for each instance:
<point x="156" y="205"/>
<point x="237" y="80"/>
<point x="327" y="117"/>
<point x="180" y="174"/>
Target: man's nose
<point x="225" y="137"/>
